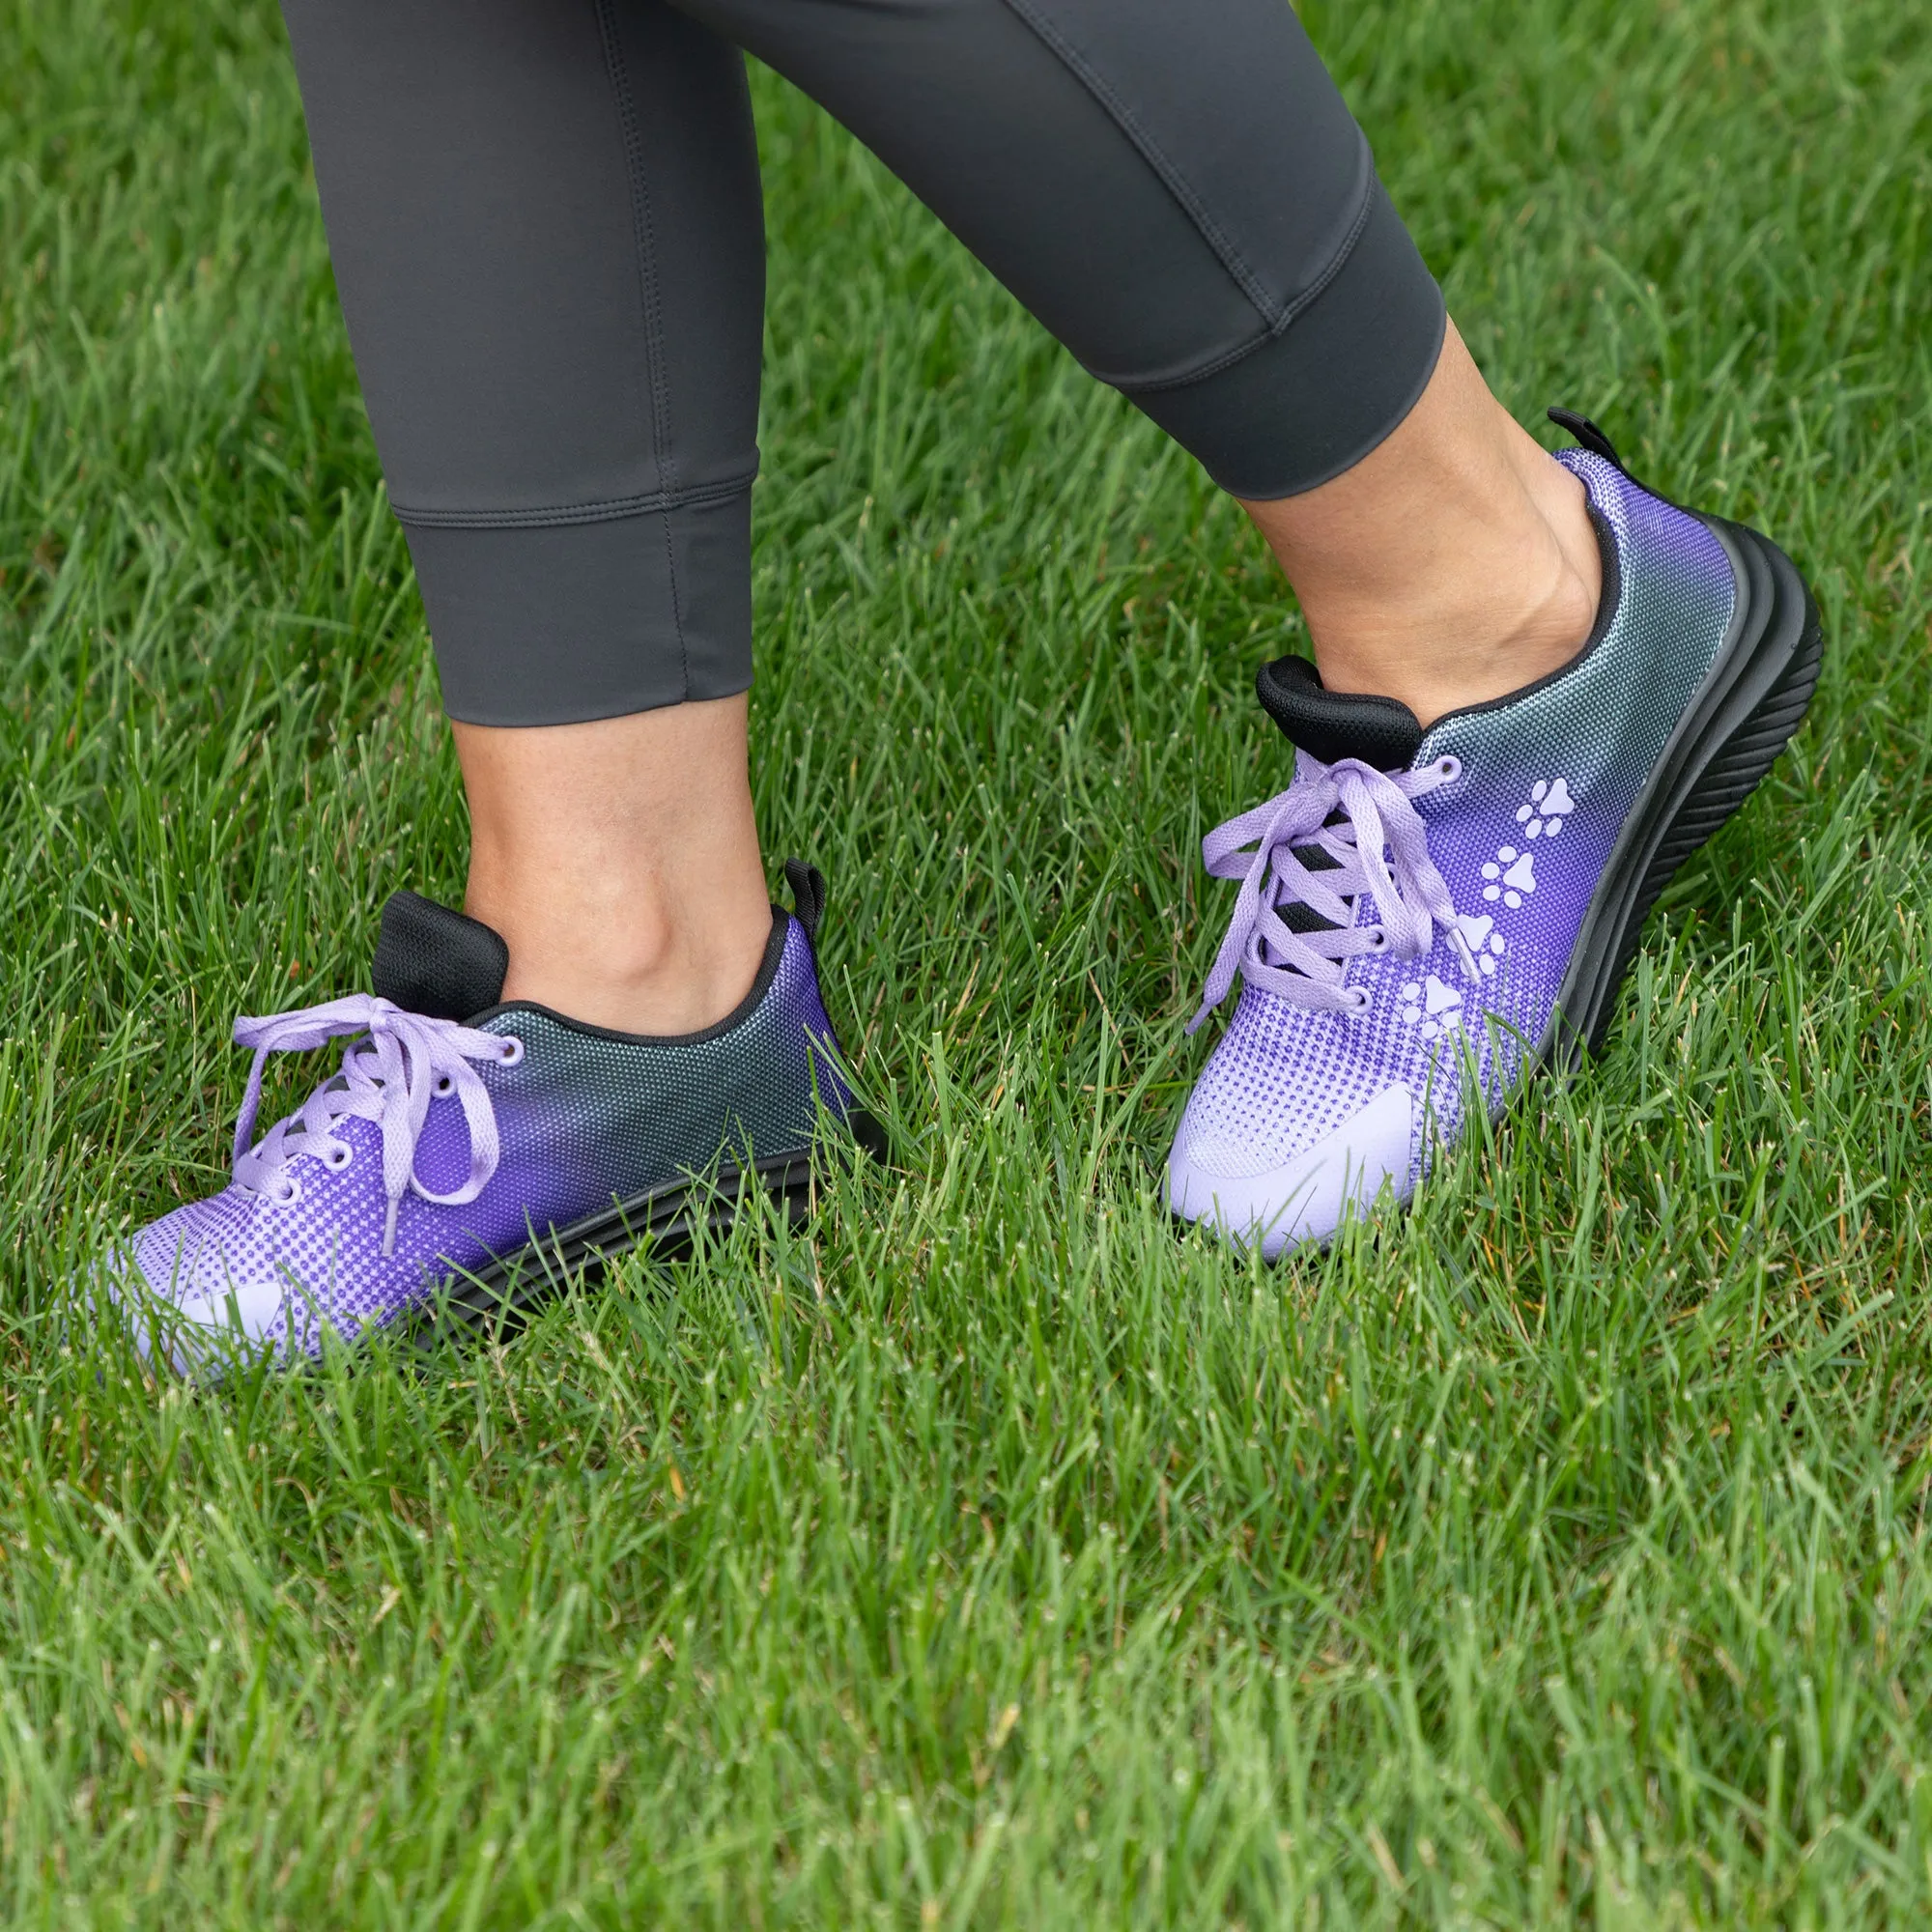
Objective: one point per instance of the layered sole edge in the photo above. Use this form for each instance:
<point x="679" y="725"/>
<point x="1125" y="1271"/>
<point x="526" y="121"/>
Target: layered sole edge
<point x="1745" y="713"/>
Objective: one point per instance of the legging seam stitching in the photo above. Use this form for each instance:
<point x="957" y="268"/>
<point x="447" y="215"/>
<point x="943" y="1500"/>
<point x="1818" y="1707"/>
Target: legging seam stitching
<point x="1338" y="260"/>
<point x="1289" y="315"/>
<point x="1152" y="152"/>
<point x="608" y="510"/>
<point x="644" y="239"/>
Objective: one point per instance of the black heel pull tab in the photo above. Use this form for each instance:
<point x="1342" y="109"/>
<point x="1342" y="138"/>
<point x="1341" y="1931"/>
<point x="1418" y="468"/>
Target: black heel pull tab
<point x="432" y="959"/>
<point x="1332" y="724"/>
<point x="1588" y="434"/>
<point x="807" y="894"/>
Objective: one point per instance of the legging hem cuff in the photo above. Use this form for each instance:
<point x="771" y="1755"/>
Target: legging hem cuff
<point x="1308" y="403"/>
<point x="613" y="704"/>
<point x="554" y="624"/>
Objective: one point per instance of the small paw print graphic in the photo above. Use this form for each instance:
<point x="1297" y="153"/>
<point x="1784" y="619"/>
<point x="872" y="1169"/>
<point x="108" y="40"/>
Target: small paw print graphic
<point x="1485" y="943"/>
<point x="1434" y="1009"/>
<point x="1511" y="877"/>
<point x="1548" y="806"/>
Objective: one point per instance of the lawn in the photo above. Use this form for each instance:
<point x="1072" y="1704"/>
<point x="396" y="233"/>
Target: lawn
<point x="981" y="1553"/>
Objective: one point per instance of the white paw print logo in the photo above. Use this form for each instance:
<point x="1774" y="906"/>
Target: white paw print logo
<point x="1548" y="806"/>
<point x="1510" y="875"/>
<point x="1432" y="1007"/>
<point x="1513" y="884"/>
<point x="1485" y="943"/>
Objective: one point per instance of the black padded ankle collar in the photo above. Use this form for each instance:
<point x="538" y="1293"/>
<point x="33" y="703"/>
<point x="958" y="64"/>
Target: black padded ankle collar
<point x="768" y="971"/>
<point x="1332" y="724"/>
<point x="432" y="960"/>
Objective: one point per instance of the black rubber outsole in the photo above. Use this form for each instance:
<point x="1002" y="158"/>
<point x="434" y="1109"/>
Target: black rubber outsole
<point x="1750" y="703"/>
<point x="497" y="1301"/>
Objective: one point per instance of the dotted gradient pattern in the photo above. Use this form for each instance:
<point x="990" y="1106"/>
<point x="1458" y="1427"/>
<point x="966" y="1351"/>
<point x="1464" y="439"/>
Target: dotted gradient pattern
<point x="1522" y="837"/>
<point x="585" y="1120"/>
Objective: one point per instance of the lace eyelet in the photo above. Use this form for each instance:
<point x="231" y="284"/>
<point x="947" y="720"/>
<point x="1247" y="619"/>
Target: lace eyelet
<point x="291" y="1192"/>
<point x="1360" y="999"/>
<point x="339" y="1159"/>
<point x="1450" y="768"/>
<point x="1377" y="942"/>
<point x="513" y="1051"/>
<point x="444" y="1088"/>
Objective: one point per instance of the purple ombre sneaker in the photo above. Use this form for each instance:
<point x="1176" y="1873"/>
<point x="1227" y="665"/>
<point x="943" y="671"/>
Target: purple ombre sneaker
<point x="467" y="1155"/>
<point x="1426" y="917"/>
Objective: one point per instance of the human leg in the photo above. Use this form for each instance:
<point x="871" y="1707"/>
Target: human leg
<point x="546" y="231"/>
<point x="565" y="407"/>
<point x="1538" y="686"/>
<point x="548" y="238"/>
<point x="1182" y="196"/>
<point x="620" y="861"/>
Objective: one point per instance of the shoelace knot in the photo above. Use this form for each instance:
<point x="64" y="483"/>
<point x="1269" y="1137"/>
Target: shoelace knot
<point x="394" y="1065"/>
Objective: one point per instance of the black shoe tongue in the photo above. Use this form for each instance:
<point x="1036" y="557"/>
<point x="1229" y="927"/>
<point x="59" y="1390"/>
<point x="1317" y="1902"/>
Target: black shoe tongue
<point x="1331" y="724"/>
<point x="435" y="961"/>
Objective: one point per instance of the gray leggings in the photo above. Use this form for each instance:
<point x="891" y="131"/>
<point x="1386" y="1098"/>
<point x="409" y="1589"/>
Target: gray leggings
<point x="545" y="226"/>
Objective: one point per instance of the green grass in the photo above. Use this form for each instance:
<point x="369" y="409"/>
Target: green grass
<point x="1556" y="1553"/>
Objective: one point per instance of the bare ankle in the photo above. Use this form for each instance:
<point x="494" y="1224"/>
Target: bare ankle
<point x="620" y="861"/>
<point x="643" y="969"/>
<point x="1476" y="630"/>
<point x="1455" y="563"/>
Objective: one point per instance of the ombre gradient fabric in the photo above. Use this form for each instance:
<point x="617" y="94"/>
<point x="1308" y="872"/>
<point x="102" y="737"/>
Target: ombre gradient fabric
<point x="584" y="1120"/>
<point x="1542" y="784"/>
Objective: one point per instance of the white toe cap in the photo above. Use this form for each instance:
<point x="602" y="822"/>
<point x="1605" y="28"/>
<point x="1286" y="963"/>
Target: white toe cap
<point x="1305" y="1199"/>
<point x="251" y="1310"/>
<point x="193" y="1333"/>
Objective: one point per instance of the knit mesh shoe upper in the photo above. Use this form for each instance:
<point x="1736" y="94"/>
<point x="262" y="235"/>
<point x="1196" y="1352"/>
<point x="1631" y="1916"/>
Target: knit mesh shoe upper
<point x="1472" y="870"/>
<point x="440" y="1146"/>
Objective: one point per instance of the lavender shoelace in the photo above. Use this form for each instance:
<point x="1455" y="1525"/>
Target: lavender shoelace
<point x="394" y="1065"/>
<point x="1373" y="811"/>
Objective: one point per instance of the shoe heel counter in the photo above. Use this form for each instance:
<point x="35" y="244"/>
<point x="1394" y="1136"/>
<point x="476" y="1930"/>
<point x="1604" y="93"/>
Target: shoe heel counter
<point x="1666" y="558"/>
<point x="824" y="1057"/>
<point x="826" y="1065"/>
<point x="827" y="1060"/>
